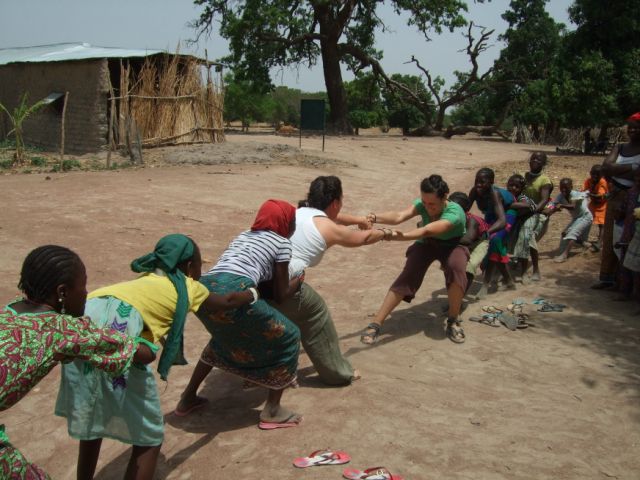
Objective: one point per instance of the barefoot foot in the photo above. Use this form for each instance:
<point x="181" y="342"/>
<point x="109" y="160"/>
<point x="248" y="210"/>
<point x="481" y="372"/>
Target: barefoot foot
<point x="188" y="405"/>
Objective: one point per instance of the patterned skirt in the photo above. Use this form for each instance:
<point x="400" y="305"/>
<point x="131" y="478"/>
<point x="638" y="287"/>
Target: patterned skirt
<point x="498" y="243"/>
<point x="632" y="257"/>
<point x="14" y="465"/>
<point x="255" y="342"/>
<point x="126" y="408"/>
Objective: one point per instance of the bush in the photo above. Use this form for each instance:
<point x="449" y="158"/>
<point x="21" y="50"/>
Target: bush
<point x="38" y="161"/>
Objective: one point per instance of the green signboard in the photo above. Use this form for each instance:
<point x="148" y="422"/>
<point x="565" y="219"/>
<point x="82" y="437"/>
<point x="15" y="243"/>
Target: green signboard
<point x="311" y="114"/>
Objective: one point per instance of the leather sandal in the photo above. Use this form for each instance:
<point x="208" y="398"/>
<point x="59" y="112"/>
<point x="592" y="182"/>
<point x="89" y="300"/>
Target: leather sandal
<point x="369" y="338"/>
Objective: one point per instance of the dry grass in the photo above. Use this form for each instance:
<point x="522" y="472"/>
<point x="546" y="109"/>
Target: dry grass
<point x="170" y="102"/>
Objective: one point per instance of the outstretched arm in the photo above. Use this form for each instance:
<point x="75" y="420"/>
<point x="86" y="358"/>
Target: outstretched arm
<point x="432" y="229"/>
<point x="334" y="234"/>
<point x="361" y="221"/>
<point x="393" y="217"/>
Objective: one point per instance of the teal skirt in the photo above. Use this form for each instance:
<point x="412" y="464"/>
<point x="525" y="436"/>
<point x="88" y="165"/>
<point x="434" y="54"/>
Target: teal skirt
<point x="125" y="408"/>
<point x="255" y="342"/>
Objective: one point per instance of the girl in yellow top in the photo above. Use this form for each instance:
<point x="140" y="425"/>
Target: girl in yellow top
<point x="155" y="305"/>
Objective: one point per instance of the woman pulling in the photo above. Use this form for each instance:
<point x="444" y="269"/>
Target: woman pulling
<point x="43" y="329"/>
<point x="438" y="239"/>
<point x="155" y="305"/>
<point x="319" y="226"/>
<point x="255" y="342"/>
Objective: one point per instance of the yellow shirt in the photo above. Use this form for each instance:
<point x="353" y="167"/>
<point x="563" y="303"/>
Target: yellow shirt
<point x="155" y="298"/>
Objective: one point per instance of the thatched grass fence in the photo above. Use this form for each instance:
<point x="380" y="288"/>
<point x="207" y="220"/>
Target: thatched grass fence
<point x="170" y="100"/>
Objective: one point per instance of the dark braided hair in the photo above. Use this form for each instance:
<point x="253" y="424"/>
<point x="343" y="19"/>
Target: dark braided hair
<point x="434" y="184"/>
<point x="45" y="268"/>
<point x="322" y="191"/>
<point x="486" y="172"/>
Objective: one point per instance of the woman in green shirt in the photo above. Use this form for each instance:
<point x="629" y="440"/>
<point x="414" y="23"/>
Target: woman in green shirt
<point x="444" y="223"/>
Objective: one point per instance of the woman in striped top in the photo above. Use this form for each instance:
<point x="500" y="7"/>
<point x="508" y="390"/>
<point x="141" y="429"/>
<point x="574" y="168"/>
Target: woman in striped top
<point x="255" y="342"/>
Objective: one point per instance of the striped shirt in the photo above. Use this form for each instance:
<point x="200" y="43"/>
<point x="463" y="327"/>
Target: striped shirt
<point x="253" y="254"/>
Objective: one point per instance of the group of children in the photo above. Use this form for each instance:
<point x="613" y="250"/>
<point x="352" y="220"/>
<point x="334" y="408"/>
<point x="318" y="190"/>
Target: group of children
<point x="515" y="218"/>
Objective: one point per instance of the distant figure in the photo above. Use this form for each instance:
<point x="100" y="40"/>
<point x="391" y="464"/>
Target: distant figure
<point x="588" y="141"/>
<point x="597" y="190"/>
<point x="578" y="229"/>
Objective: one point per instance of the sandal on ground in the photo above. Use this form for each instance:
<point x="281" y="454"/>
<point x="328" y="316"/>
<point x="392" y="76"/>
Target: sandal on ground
<point x="369" y="338"/>
<point x="514" y="308"/>
<point x="509" y="321"/>
<point x="323" y="457"/>
<point x="523" y="321"/>
<point x="454" y="332"/>
<point x="491" y="309"/>
<point x="375" y="473"/>
<point x="551" y="307"/>
<point x="487" y="319"/>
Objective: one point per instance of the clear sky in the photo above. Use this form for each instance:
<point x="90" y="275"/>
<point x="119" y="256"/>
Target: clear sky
<point x="163" y="24"/>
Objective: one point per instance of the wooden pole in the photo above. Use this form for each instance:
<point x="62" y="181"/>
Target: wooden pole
<point x="112" y="111"/>
<point x="64" y="115"/>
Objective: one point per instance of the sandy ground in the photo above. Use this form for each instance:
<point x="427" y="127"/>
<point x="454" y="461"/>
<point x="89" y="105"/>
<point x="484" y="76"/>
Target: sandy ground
<point x="558" y="400"/>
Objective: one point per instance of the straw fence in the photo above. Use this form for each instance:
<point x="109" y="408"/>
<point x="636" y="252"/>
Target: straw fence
<point x="170" y="100"/>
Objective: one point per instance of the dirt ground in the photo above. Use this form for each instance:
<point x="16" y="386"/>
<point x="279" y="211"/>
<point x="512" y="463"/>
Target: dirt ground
<point x="558" y="400"/>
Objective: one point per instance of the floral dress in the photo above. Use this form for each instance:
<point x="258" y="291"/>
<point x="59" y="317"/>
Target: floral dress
<point x="31" y="345"/>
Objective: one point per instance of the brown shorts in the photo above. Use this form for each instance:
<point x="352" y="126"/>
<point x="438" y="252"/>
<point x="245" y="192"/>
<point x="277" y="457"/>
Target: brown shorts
<point x="420" y="256"/>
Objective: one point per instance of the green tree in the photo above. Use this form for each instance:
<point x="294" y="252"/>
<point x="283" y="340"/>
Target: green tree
<point x="401" y="110"/>
<point x="269" y="33"/>
<point x="17" y="118"/>
<point x="530" y="57"/>
<point x="611" y="29"/>
<point x="364" y="102"/>
<point x="243" y="101"/>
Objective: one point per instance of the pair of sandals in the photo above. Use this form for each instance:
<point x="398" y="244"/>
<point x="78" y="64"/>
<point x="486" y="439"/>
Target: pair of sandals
<point x="454" y="332"/>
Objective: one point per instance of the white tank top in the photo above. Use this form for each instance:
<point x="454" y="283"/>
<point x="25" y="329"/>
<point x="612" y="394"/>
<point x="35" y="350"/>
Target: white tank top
<point x="623" y="160"/>
<point x="308" y="245"/>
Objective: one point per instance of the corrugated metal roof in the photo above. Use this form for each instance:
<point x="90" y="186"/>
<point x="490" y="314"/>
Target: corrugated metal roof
<point x="62" y="52"/>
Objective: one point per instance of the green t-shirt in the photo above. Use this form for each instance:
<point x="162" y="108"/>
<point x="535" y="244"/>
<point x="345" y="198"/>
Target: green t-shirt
<point x="453" y="213"/>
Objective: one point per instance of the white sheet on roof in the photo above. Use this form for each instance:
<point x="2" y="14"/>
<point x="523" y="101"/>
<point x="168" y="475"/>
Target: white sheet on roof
<point x="62" y="52"/>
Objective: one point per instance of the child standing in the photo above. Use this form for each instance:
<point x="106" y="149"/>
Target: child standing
<point x="495" y="203"/>
<point x="525" y="225"/>
<point x="476" y="239"/>
<point x="578" y="229"/>
<point x="597" y="189"/>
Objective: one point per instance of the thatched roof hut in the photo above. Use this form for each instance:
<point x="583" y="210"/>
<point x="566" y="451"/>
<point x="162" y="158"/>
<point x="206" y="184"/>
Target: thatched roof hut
<point x="115" y="96"/>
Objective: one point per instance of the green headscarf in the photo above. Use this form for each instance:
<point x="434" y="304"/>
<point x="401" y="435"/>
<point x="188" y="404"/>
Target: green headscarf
<point x="169" y="252"/>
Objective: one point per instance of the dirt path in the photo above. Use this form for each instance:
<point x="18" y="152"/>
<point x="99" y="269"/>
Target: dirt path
<point x="559" y="400"/>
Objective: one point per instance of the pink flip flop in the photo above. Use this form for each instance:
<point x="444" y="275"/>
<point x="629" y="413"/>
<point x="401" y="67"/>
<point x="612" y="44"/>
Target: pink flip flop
<point x="375" y="473"/>
<point x="323" y="457"/>
<point x="286" y="424"/>
<point x="202" y="403"/>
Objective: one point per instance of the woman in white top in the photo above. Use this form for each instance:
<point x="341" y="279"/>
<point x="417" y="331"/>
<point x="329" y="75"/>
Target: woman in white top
<point x="618" y="168"/>
<point x="319" y="226"/>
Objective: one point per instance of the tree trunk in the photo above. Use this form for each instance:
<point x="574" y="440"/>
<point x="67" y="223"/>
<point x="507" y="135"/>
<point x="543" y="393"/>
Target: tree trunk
<point x="439" y="119"/>
<point x="338" y="120"/>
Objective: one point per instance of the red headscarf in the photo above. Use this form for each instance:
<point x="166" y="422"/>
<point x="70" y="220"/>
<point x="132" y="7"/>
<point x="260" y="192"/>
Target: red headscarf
<point x="634" y="118"/>
<point x="275" y="215"/>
